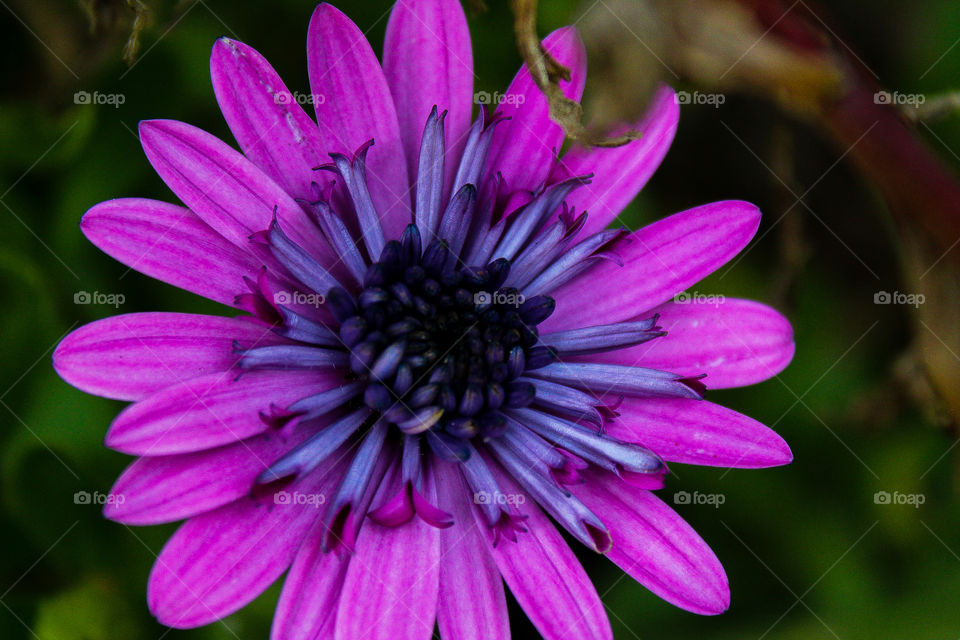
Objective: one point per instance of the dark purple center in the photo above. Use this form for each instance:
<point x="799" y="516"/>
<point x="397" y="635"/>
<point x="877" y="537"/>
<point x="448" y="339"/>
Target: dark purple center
<point x="440" y="345"/>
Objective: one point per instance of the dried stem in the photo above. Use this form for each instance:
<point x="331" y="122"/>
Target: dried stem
<point x="547" y="72"/>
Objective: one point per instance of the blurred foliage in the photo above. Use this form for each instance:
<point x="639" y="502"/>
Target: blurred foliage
<point x="808" y="551"/>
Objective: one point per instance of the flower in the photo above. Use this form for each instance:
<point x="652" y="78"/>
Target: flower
<point x="441" y="355"/>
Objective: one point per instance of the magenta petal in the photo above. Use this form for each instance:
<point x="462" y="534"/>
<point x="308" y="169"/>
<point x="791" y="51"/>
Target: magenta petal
<point x="699" y="432"/>
<point x="353" y="105"/>
<point x="656" y="546"/>
<point x="211" y="410"/>
<point x="659" y="261"/>
<point x="219" y="561"/>
<point x="171" y="244"/>
<point x="735" y="342"/>
<point x="307" y="609"/>
<point x="428" y="60"/>
<point x="620" y="173"/>
<point x="648" y="481"/>
<point x="158" y="489"/>
<point x="390" y="588"/>
<point x="128" y="357"/>
<point x="266" y="119"/>
<point x="545" y="576"/>
<point x="395" y="511"/>
<point x="429" y="513"/>
<point x="523" y="148"/>
<point x="472" y="603"/>
<point x="225" y="189"/>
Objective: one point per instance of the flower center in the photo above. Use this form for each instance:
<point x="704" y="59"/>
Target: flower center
<point x="439" y="344"/>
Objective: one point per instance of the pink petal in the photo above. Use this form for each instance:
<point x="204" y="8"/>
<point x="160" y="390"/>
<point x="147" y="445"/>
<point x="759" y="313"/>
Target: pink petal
<point x="128" y="357"/>
<point x="211" y="410"/>
<point x="171" y="244"/>
<point x="620" y="173"/>
<point x="390" y="589"/>
<point x="428" y="60"/>
<point x="219" y="561"/>
<point x="524" y="147"/>
<point x="266" y="119"/>
<point x="659" y="261"/>
<point x="308" y="603"/>
<point x="545" y="576"/>
<point x="735" y="342"/>
<point x="656" y="547"/>
<point x="225" y="189"/>
<point x="472" y="603"/>
<point x="159" y="489"/>
<point x="698" y="432"/>
<point x="354" y="105"/>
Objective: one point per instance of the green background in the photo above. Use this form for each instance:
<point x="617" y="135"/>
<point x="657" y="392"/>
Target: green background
<point x="808" y="552"/>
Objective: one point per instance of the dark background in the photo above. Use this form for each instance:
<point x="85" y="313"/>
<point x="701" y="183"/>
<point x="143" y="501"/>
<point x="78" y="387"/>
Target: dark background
<point x="808" y="551"/>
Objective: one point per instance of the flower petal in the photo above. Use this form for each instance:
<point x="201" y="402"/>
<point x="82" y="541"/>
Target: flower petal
<point x="428" y="60"/>
<point x="225" y="189"/>
<point x="735" y="342"/>
<point x="219" y="561"/>
<point x="659" y="261"/>
<point x="524" y="147"/>
<point x="545" y="576"/>
<point x="158" y="489"/>
<point x="131" y="356"/>
<point x="211" y="410"/>
<point x="169" y="243"/>
<point x="698" y="432"/>
<point x="472" y="603"/>
<point x="353" y="105"/>
<point x="265" y="118"/>
<point x="656" y="546"/>
<point x="390" y="589"/>
<point x="620" y="173"/>
<point x="307" y="609"/>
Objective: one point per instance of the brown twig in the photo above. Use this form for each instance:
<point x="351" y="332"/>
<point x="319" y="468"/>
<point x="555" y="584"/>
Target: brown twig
<point x="547" y="72"/>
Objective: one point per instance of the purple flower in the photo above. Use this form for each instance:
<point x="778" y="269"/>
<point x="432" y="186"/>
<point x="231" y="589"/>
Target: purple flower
<point x="441" y="356"/>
